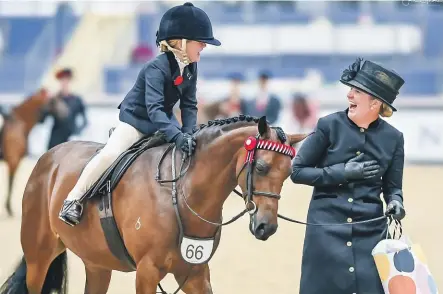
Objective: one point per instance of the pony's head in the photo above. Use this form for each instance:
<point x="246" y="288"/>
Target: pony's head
<point x="261" y="172"/>
<point x="40" y="97"/>
<point x="31" y="107"/>
<point x="36" y="100"/>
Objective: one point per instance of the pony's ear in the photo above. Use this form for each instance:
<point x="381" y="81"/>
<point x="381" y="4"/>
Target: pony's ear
<point x="263" y="128"/>
<point x="295" y="138"/>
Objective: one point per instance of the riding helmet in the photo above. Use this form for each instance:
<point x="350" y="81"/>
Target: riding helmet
<point x="186" y="22"/>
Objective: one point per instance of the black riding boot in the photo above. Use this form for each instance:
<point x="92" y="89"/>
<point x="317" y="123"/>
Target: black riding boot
<point x="71" y="212"/>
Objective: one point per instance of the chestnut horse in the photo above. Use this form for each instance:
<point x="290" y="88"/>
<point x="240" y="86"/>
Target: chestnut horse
<point x="230" y="152"/>
<point x="17" y="126"/>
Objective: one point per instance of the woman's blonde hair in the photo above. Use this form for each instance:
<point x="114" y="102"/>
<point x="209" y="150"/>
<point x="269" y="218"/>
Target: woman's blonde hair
<point x="173" y="46"/>
<point x="386" y="110"/>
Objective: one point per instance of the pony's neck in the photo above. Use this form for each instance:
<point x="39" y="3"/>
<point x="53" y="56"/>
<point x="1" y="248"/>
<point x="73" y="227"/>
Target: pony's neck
<point x="214" y="177"/>
<point x="28" y="112"/>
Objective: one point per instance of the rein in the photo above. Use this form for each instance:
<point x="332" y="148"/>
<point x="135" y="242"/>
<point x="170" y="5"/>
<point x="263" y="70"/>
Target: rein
<point x="251" y="145"/>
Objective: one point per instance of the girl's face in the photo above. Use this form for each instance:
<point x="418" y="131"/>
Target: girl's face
<point x="361" y="104"/>
<point x="193" y="49"/>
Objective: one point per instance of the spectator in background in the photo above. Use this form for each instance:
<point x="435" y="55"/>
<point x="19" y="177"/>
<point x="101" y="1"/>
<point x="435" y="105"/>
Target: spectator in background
<point x="300" y="116"/>
<point x="232" y="105"/>
<point x="304" y="113"/>
<point x="265" y="103"/>
<point x="64" y="108"/>
<point x="141" y="54"/>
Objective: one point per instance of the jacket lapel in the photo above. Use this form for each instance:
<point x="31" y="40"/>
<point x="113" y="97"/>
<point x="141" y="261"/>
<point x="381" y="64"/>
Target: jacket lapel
<point x="175" y="75"/>
<point x="175" y="71"/>
<point x="187" y="76"/>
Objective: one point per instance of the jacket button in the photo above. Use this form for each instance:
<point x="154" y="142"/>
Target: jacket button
<point x="349" y="220"/>
<point x="349" y="243"/>
<point x="362" y="130"/>
<point x="350" y="199"/>
<point x="358" y="152"/>
<point x="351" y="269"/>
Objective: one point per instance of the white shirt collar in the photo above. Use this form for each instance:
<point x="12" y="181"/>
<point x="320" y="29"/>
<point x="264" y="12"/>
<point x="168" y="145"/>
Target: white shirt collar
<point x="181" y="65"/>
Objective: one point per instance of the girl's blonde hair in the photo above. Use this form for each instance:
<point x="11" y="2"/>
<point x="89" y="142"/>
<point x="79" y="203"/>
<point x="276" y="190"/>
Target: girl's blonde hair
<point x="173" y="46"/>
<point x="386" y="110"/>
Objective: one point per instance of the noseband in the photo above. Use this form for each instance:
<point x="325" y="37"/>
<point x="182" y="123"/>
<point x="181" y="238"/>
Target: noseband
<point x="251" y="145"/>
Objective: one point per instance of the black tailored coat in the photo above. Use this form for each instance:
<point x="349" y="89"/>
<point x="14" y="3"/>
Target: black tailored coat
<point x="337" y="259"/>
<point x="148" y="106"/>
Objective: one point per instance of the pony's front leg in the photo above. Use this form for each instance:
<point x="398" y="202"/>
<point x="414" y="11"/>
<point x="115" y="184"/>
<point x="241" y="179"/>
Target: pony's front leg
<point x="147" y="277"/>
<point x="198" y="281"/>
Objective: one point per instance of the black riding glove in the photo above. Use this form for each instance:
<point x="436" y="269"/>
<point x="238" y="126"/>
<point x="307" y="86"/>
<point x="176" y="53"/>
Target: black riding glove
<point x="186" y="143"/>
<point x="355" y="170"/>
<point x="396" y="209"/>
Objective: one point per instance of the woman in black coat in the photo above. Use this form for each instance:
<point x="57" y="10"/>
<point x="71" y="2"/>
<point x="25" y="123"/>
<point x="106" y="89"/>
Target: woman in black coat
<point x="350" y="159"/>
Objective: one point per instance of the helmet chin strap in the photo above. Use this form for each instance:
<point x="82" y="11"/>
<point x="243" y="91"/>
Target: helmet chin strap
<point x="183" y="51"/>
<point x="180" y="53"/>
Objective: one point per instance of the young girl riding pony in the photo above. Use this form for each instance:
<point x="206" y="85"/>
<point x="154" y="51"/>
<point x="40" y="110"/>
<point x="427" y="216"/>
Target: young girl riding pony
<point x="148" y="107"/>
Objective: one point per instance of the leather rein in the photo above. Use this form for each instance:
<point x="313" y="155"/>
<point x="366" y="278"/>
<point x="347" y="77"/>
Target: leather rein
<point x="251" y="145"/>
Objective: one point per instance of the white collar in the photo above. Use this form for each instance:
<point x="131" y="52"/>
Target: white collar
<point x="181" y="64"/>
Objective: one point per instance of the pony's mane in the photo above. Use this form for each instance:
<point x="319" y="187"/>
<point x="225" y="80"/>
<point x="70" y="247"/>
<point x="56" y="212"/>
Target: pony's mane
<point x="227" y="121"/>
<point x="219" y="125"/>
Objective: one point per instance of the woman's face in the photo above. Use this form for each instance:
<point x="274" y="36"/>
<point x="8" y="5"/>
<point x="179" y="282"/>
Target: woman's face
<point x="193" y="49"/>
<point x="361" y="104"/>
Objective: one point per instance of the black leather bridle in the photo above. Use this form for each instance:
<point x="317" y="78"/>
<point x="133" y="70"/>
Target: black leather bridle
<point x="252" y="144"/>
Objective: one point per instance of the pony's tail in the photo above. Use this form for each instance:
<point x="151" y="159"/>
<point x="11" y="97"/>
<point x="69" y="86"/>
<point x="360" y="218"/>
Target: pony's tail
<point x="55" y="281"/>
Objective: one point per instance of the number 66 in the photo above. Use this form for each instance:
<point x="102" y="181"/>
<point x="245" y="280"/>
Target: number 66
<point x="196" y="252"/>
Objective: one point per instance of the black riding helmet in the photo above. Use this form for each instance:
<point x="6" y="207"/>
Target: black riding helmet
<point x="186" y="22"/>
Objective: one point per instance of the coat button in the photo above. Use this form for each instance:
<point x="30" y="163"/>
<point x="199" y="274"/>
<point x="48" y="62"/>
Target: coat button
<point x="350" y="199"/>
<point x="349" y="220"/>
<point x="351" y="269"/>
<point x="358" y="152"/>
<point x="349" y="243"/>
<point x="362" y="130"/>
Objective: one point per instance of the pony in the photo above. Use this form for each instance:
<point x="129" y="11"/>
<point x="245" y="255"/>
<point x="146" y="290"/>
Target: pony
<point x="14" y="140"/>
<point x="166" y="226"/>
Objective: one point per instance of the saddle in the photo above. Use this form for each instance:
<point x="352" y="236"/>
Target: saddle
<point x="111" y="177"/>
<point x="101" y="191"/>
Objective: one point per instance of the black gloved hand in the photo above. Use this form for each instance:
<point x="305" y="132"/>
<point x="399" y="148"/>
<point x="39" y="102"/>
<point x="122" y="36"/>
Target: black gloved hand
<point x="396" y="209"/>
<point x="355" y="170"/>
<point x="186" y="143"/>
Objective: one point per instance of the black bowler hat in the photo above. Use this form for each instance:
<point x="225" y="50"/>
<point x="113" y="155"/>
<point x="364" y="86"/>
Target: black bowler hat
<point x="374" y="79"/>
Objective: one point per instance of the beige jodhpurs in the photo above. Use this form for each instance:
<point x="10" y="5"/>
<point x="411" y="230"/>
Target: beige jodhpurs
<point x="123" y="137"/>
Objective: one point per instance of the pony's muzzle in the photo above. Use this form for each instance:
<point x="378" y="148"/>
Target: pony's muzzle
<point x="261" y="228"/>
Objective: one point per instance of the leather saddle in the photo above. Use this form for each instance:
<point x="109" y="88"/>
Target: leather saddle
<point x="118" y="168"/>
<point x="101" y="191"/>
